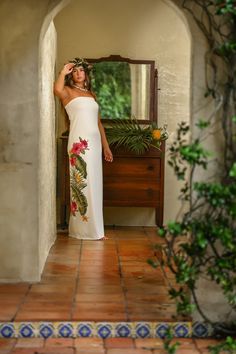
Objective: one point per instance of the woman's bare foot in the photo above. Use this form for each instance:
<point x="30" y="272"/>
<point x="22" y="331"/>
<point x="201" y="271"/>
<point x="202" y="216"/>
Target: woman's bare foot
<point x="103" y="238"/>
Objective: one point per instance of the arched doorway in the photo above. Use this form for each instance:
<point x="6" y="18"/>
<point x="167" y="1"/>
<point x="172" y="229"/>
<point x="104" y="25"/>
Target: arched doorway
<point x="23" y="186"/>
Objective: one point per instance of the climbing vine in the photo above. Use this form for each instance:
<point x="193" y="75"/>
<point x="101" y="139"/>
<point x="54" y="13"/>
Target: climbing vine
<point x="203" y="242"/>
<point x="217" y="21"/>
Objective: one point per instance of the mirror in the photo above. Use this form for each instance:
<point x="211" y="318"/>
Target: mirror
<point x="125" y="88"/>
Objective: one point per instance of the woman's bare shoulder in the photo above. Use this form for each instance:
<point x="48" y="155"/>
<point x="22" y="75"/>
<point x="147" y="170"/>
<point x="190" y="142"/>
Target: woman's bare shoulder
<point x="94" y="95"/>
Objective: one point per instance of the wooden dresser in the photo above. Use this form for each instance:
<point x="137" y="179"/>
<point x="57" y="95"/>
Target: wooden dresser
<point x="129" y="181"/>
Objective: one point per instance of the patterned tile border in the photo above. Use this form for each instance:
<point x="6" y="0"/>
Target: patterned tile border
<point x="102" y="329"/>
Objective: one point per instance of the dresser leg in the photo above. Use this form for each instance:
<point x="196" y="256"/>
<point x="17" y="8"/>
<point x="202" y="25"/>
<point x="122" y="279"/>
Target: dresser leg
<point x="159" y="217"/>
<point x="63" y="217"/>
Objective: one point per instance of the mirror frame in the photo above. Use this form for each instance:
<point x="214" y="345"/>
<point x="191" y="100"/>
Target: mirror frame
<point x="153" y="84"/>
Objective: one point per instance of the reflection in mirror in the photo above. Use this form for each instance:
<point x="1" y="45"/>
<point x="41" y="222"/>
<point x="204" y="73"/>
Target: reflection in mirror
<point x="122" y="89"/>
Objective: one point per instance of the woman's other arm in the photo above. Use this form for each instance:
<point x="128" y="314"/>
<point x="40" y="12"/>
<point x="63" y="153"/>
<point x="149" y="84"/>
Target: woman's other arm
<point x="106" y="149"/>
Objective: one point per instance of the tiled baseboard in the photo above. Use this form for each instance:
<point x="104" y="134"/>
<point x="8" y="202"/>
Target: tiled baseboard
<point x="103" y="329"/>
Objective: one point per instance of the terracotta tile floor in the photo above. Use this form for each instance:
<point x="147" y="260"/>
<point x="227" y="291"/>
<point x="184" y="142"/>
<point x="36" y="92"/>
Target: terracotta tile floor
<point x="99" y="281"/>
<point x="99" y="346"/>
<point x="94" y="281"/>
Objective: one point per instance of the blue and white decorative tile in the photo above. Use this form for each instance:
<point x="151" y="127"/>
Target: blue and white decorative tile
<point x="202" y="330"/>
<point x="85" y="329"/>
<point x="161" y="330"/>
<point x="124" y="329"/>
<point x="65" y="329"/>
<point x="27" y="330"/>
<point x="182" y="330"/>
<point x="104" y="329"/>
<point x="7" y="330"/>
<point x="46" y="329"/>
<point x="143" y="330"/>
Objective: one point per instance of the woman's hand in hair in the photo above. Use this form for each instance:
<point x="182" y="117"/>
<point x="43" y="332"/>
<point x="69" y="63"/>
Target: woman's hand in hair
<point x="67" y="68"/>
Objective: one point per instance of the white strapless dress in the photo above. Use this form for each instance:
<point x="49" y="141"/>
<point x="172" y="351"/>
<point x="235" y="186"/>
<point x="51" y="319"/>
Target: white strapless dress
<point x="85" y="165"/>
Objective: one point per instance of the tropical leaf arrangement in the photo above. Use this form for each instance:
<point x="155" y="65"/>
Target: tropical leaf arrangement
<point x="135" y="137"/>
<point x="78" y="175"/>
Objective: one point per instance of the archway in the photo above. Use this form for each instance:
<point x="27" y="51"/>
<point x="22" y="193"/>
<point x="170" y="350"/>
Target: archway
<point x="21" y="144"/>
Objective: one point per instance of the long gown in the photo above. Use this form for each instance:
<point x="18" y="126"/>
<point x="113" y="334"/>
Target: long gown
<point x="85" y="166"/>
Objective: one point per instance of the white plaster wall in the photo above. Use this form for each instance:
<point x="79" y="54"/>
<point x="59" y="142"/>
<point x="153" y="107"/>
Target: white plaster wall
<point x="47" y="146"/>
<point x="20" y="27"/>
<point x="18" y="141"/>
<point x="213" y="302"/>
<point x="137" y="29"/>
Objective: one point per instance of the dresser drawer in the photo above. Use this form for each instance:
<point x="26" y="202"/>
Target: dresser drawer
<point x="130" y="193"/>
<point x="133" y="167"/>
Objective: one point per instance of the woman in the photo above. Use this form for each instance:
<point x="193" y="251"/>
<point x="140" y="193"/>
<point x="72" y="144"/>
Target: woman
<point x="86" y="139"/>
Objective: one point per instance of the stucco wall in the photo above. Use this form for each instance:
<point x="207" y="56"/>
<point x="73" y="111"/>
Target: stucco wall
<point x="19" y="157"/>
<point x="47" y="146"/>
<point x="21" y="23"/>
<point x="149" y="30"/>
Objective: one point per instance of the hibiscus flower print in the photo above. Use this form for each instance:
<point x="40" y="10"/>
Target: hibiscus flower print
<point x="78" y="175"/>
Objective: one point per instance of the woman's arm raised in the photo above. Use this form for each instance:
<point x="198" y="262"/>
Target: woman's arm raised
<point x="59" y="85"/>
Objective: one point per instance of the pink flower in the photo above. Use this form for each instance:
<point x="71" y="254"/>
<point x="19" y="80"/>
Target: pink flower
<point x="73" y="161"/>
<point x="76" y="148"/>
<point x="84" y="143"/>
<point x="73" y="208"/>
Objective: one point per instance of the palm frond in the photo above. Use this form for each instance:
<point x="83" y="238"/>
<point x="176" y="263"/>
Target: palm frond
<point x="130" y="134"/>
<point x="81" y="166"/>
<point x="80" y="198"/>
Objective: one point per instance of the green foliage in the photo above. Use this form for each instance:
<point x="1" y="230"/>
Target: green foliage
<point x="112" y="88"/>
<point x="217" y="21"/>
<point x="78" y="183"/>
<point x="81" y="166"/>
<point x="232" y="172"/>
<point x="228" y="347"/>
<point x="202" y="124"/>
<point x="134" y="137"/>
<point x="79" y="197"/>
<point x="226" y="49"/>
<point x="168" y="339"/>
<point x="224" y="7"/>
<point x="204" y="241"/>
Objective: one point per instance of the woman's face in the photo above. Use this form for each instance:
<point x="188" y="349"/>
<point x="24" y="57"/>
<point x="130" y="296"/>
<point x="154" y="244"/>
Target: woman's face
<point x="78" y="74"/>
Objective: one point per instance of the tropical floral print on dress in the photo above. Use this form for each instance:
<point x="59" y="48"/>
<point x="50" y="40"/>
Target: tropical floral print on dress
<point x="78" y="175"/>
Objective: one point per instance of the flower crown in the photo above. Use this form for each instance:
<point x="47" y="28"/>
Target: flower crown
<point x="81" y="62"/>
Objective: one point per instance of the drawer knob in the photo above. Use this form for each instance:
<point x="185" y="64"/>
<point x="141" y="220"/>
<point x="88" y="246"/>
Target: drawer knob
<point x="149" y="191"/>
<point x="150" y="168"/>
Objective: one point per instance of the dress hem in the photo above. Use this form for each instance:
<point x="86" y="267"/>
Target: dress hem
<point x="85" y="238"/>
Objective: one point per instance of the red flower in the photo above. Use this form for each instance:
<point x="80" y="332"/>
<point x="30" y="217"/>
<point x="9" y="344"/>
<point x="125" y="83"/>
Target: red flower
<point x="73" y="161"/>
<point x="84" y="143"/>
<point x="76" y="148"/>
<point x="73" y="208"/>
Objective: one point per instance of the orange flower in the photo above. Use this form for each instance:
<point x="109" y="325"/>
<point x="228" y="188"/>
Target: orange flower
<point x="84" y="218"/>
<point x="78" y="178"/>
<point x="156" y="134"/>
